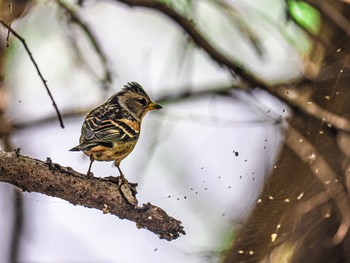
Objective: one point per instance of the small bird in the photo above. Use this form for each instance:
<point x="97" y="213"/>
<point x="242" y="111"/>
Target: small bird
<point x="110" y="131"/>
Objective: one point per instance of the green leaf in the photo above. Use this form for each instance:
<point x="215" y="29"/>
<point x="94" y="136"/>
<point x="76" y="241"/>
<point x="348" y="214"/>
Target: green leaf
<point x="307" y="16"/>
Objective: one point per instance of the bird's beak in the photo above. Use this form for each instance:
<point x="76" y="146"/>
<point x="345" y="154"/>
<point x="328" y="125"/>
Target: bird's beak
<point x="153" y="106"/>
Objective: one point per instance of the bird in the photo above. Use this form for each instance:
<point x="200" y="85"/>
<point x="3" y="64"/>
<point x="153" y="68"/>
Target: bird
<point x="111" y="130"/>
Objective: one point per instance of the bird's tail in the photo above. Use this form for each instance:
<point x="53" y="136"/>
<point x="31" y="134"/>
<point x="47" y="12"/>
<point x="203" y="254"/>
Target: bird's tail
<point x="76" y="148"/>
<point x="85" y="146"/>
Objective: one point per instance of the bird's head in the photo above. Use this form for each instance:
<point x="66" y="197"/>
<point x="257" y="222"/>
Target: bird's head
<point x="135" y="99"/>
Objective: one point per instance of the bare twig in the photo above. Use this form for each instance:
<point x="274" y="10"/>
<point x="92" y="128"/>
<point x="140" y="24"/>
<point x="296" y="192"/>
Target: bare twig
<point x="186" y="94"/>
<point x="54" y="180"/>
<point x="9" y="24"/>
<point x="23" y="41"/>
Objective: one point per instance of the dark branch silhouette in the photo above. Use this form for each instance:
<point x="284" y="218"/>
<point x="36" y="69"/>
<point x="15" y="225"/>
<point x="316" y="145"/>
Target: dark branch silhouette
<point x="107" y="195"/>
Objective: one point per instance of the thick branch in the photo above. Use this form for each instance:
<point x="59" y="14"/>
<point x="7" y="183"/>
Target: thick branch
<point x="51" y="179"/>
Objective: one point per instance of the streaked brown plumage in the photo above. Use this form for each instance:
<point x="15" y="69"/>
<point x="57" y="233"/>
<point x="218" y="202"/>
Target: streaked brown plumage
<point x="110" y="131"/>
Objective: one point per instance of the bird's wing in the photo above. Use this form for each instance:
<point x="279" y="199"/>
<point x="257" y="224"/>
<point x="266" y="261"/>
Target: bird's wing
<point x="107" y="124"/>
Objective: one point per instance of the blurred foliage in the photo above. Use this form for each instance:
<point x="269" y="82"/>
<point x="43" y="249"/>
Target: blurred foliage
<point x="265" y="45"/>
<point x="307" y="16"/>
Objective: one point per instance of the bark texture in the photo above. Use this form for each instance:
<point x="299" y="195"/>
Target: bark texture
<point x="107" y="195"/>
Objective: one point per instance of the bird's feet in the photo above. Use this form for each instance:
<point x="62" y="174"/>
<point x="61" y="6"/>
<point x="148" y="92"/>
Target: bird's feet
<point x="119" y="180"/>
<point x="90" y="174"/>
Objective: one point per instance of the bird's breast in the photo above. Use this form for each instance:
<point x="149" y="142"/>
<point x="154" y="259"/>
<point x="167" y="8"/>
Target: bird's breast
<point x="116" y="153"/>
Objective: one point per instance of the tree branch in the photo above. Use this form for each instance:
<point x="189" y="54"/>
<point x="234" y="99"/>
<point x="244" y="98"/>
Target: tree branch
<point x="295" y="99"/>
<point x="290" y="96"/>
<point x="188" y="26"/>
<point x="51" y="179"/>
<point x="325" y="174"/>
<point x="278" y="91"/>
<point x="163" y="99"/>
<point x="23" y="41"/>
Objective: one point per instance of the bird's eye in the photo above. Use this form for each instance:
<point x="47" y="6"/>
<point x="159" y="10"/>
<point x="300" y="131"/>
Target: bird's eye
<point x="143" y="101"/>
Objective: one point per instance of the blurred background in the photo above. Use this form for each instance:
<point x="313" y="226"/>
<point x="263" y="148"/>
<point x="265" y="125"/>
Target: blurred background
<point x="222" y="155"/>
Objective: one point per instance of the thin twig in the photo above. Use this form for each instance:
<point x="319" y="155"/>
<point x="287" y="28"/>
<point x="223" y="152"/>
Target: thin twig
<point x="23" y="41"/>
<point x="186" y="94"/>
<point x="9" y="24"/>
